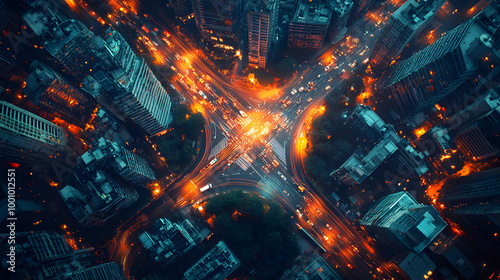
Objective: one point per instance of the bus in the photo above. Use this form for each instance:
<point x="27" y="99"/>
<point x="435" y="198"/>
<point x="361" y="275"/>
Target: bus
<point x="206" y="187"/>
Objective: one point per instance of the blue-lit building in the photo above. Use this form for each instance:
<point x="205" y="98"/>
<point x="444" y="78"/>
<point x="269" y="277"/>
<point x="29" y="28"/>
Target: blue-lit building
<point x="398" y="220"/>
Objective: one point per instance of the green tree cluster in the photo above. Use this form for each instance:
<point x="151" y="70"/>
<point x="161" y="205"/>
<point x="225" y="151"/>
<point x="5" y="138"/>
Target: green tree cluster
<point x="257" y="230"/>
<point x="178" y="146"/>
<point x="330" y="143"/>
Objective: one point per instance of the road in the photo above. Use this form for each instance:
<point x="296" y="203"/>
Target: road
<point x="259" y="139"/>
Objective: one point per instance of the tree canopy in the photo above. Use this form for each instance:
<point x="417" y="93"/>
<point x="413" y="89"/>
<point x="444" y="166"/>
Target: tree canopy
<point x="177" y="146"/>
<point x="257" y="230"/>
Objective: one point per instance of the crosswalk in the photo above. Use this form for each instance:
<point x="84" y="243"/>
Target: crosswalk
<point x="279" y="150"/>
<point x="245" y="121"/>
<point x="219" y="147"/>
<point x="244" y="162"/>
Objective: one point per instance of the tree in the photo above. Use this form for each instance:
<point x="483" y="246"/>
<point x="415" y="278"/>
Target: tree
<point x="179" y="114"/>
<point x="194" y="125"/>
<point x="264" y="77"/>
<point x="257" y="230"/>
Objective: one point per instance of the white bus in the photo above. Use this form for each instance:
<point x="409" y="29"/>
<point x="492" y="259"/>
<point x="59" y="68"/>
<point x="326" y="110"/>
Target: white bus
<point x="206" y="187"/>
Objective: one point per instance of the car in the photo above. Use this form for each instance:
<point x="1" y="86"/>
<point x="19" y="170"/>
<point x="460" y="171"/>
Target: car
<point x="306" y="212"/>
<point x="309" y="222"/>
<point x="283" y="106"/>
<point x="298" y="213"/>
<point x="310" y="83"/>
<point x="318" y="211"/>
<point x="282" y="177"/>
<point x="328" y="227"/>
<point x="308" y="200"/>
<point x="309" y="99"/>
<point x="173" y="68"/>
<point x="301" y="89"/>
<point x="327" y="68"/>
<point x="294" y="91"/>
<point x="350" y="266"/>
<point x="298" y="111"/>
<point x="213" y="161"/>
<point x="319" y="75"/>
<point x="285" y="192"/>
<point x="300" y="100"/>
<point x="328" y="88"/>
<point x="329" y="80"/>
<point x="299" y="206"/>
<point x="266" y="169"/>
<point x="301" y="189"/>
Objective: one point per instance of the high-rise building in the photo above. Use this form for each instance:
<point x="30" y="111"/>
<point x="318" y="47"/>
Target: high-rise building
<point x="167" y="241"/>
<point x="473" y="202"/>
<point x="217" y="264"/>
<point x="53" y="94"/>
<point x="97" y="197"/>
<point x="128" y="81"/>
<point x="181" y="7"/>
<point x="476" y="126"/>
<point x="115" y="158"/>
<point x="262" y="26"/>
<point x="359" y="9"/>
<point x="48" y="255"/>
<point x="358" y="167"/>
<point x="485" y="111"/>
<point x="67" y="40"/>
<point x="473" y="142"/>
<point x="105" y="271"/>
<point x="437" y="70"/>
<point x="28" y="138"/>
<point x="398" y="220"/>
<point x="405" y="24"/>
<point x="383" y="144"/>
<point x="8" y="69"/>
<point x="341" y="10"/>
<point x="416" y="266"/>
<point x="125" y="77"/>
<point x="220" y="23"/>
<point x="308" y="28"/>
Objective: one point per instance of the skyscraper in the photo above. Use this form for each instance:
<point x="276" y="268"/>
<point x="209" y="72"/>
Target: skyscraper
<point x="262" y="25"/>
<point x="398" y="220"/>
<point x="308" y="28"/>
<point x="145" y="101"/>
<point x="217" y="264"/>
<point x="476" y="126"/>
<point x="341" y="10"/>
<point x="359" y="9"/>
<point x="181" y="7"/>
<point x="115" y="158"/>
<point x="53" y="94"/>
<point x="473" y="202"/>
<point x="104" y="271"/>
<point x="168" y="241"/>
<point x="220" y="23"/>
<point x="437" y="70"/>
<point x="383" y="144"/>
<point x="28" y="138"/>
<point x="405" y="24"/>
<point x="67" y="40"/>
<point x="125" y="77"/>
